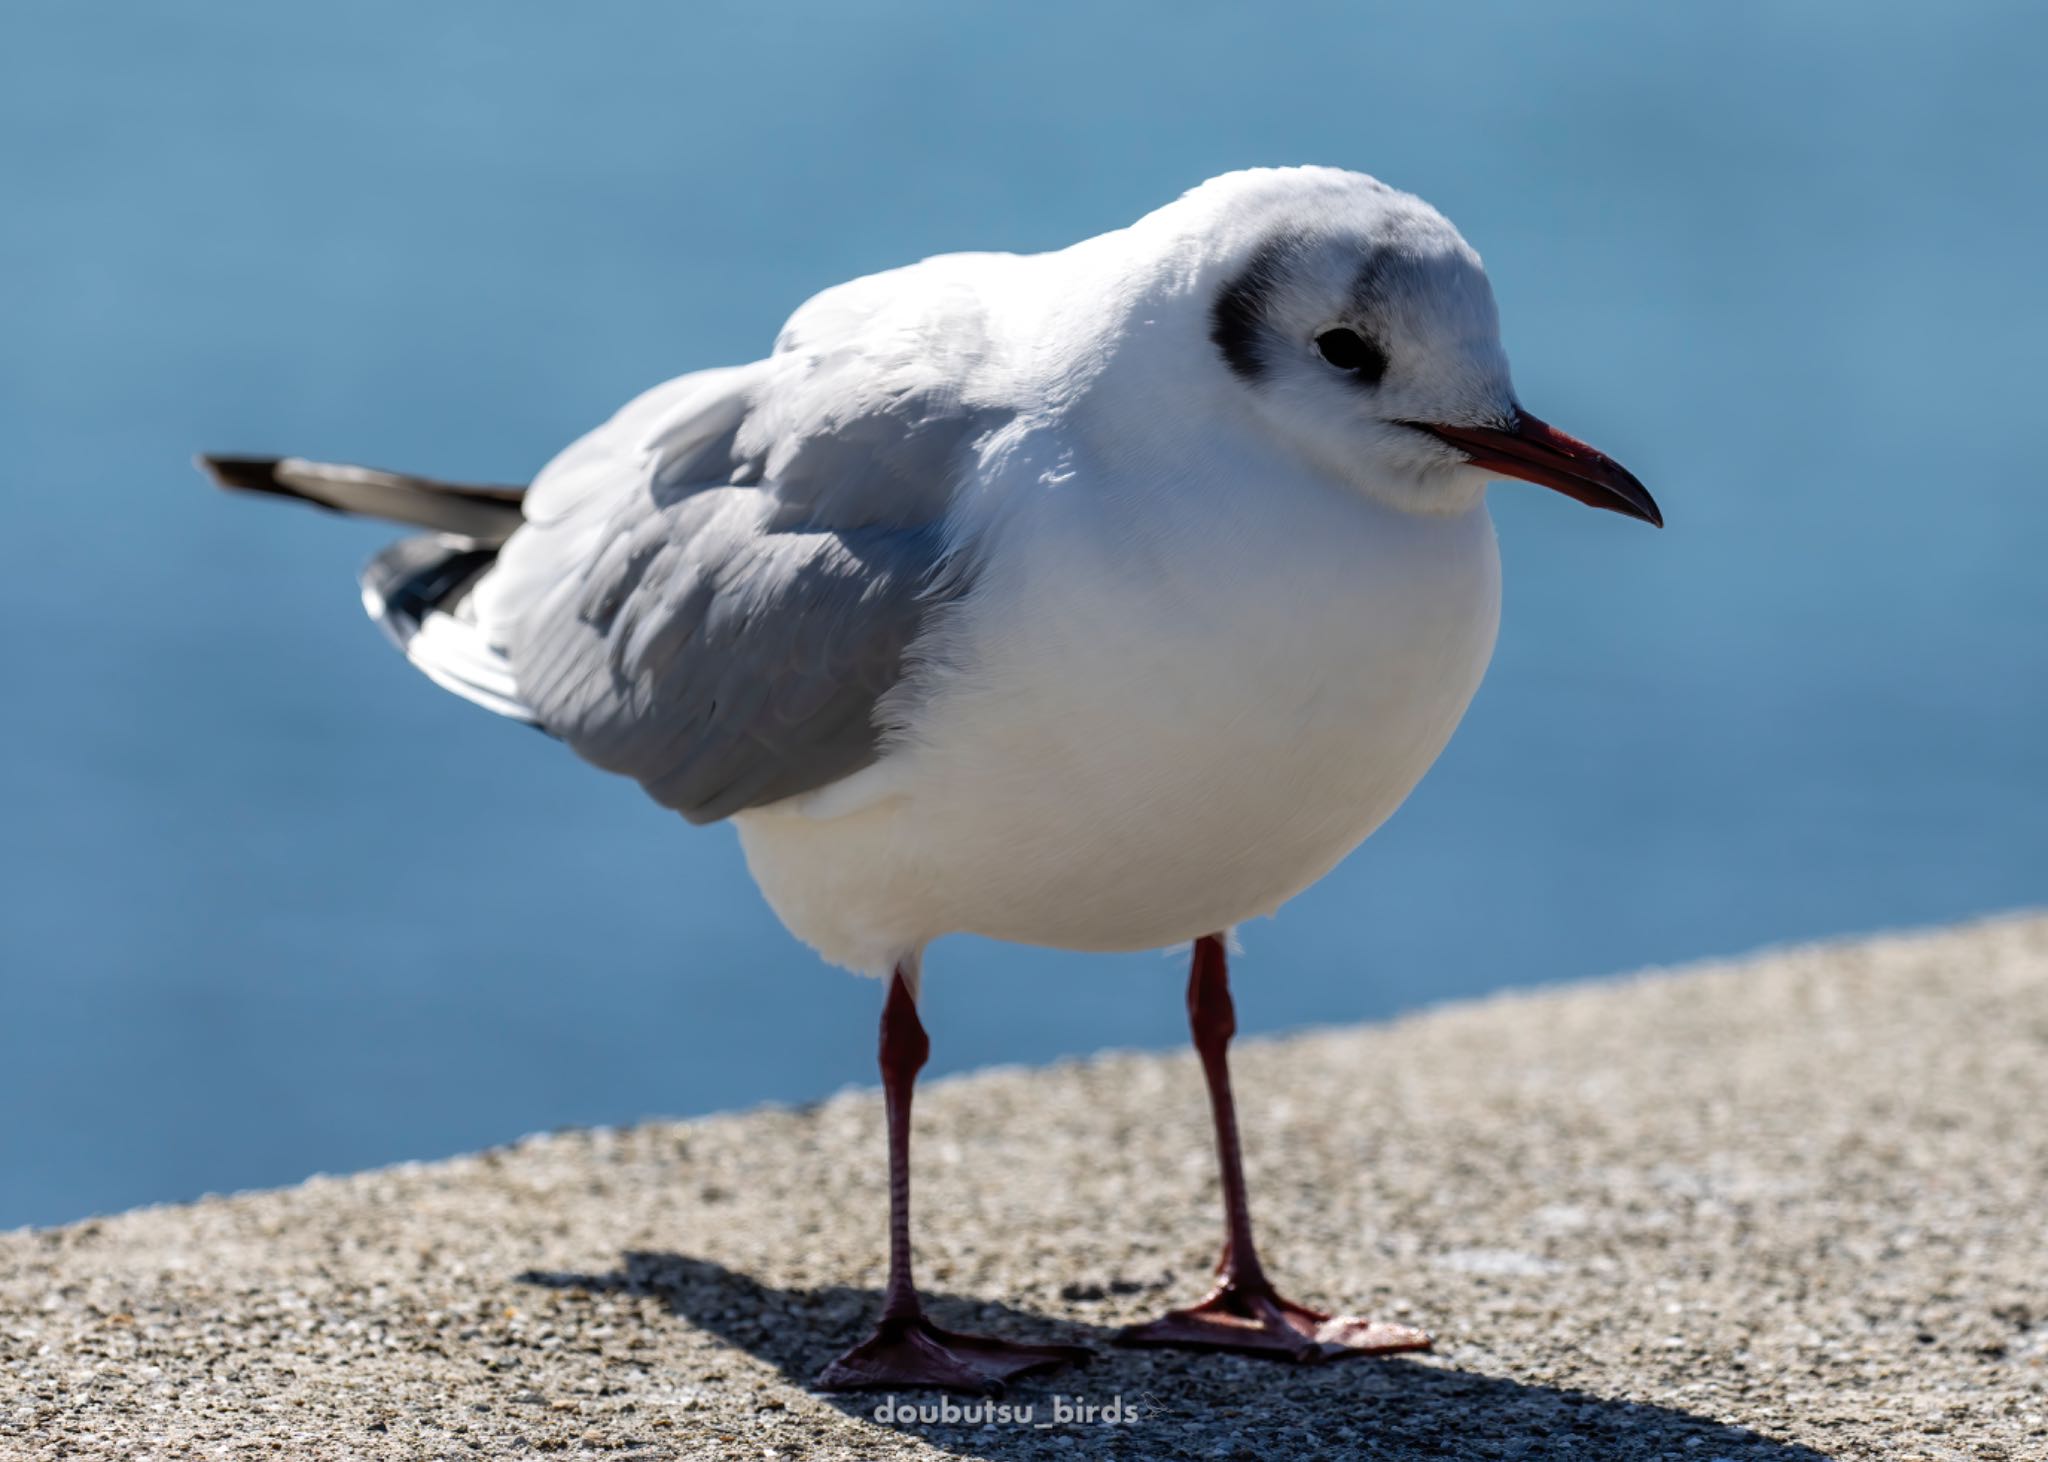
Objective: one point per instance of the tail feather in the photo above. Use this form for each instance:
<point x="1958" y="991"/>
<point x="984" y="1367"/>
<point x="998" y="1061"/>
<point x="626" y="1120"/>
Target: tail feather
<point x="483" y="513"/>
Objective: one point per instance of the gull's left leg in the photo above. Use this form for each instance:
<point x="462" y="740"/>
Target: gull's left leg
<point x="906" y="1349"/>
<point x="1243" y="1312"/>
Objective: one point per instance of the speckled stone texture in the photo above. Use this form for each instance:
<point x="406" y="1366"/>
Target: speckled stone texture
<point x="1788" y="1208"/>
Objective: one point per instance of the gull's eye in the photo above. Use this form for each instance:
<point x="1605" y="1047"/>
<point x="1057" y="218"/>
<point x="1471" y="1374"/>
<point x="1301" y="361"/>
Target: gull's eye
<point x="1348" y="350"/>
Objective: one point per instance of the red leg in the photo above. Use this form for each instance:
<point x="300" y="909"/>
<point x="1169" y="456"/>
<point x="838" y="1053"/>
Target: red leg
<point x="1243" y="1312"/>
<point x="906" y="1349"/>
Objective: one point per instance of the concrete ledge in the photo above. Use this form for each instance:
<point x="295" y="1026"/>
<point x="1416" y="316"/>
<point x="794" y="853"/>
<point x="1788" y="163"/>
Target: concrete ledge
<point x="1791" y="1207"/>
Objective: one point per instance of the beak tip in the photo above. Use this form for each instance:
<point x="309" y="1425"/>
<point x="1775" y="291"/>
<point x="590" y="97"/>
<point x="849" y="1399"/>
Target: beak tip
<point x="1533" y="450"/>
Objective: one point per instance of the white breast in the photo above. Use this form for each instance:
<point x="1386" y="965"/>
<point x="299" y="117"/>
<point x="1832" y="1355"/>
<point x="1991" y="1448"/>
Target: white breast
<point x="1156" y="729"/>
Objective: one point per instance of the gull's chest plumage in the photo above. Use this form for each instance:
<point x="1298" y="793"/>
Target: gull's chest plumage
<point x="1148" y="736"/>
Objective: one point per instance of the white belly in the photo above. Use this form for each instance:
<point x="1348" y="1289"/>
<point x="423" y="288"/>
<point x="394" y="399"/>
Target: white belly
<point x="1156" y="751"/>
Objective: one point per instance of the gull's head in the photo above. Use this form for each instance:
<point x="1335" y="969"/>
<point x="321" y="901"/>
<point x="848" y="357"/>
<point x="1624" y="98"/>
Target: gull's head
<point x="1353" y="325"/>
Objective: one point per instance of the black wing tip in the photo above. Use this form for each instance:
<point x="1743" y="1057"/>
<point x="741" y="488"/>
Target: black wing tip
<point x="245" y="474"/>
<point x="256" y="474"/>
<point x="237" y="471"/>
<point x="414" y="576"/>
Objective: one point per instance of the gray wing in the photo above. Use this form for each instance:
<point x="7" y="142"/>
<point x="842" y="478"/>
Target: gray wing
<point x="724" y="664"/>
<point x="714" y="593"/>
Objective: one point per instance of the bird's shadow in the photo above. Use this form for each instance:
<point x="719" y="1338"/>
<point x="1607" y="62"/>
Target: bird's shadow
<point x="1171" y="1403"/>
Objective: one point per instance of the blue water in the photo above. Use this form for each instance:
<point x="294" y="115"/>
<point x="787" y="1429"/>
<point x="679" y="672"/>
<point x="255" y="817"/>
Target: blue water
<point x="273" y="904"/>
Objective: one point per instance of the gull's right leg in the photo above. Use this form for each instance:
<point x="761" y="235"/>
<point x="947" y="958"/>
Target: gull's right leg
<point x="906" y="1349"/>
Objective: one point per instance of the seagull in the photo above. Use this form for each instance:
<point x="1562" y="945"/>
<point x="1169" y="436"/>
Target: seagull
<point x="1101" y="598"/>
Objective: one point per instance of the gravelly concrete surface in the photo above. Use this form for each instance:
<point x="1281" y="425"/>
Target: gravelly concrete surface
<point x="1790" y="1208"/>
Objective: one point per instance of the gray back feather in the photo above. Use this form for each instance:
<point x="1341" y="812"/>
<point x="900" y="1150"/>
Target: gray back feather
<point x="714" y="592"/>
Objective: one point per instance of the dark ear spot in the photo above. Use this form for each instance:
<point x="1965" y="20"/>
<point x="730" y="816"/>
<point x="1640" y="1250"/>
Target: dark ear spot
<point x="1237" y="319"/>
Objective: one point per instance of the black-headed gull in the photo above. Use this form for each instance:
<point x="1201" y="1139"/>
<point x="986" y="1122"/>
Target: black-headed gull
<point x="1101" y="598"/>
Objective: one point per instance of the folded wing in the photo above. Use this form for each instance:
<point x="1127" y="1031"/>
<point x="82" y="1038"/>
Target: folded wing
<point x="715" y="592"/>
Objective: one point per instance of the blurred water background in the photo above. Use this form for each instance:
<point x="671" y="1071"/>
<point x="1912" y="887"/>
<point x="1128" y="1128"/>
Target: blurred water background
<point x="274" y="904"/>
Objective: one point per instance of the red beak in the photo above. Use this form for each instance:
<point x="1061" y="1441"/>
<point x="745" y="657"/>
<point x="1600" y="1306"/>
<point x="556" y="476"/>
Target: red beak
<point x="1536" y="451"/>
